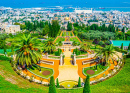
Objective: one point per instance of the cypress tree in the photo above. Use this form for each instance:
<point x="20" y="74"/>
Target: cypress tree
<point x="52" y="88"/>
<point x="57" y="83"/>
<point x="34" y="26"/>
<point x="129" y="47"/>
<point x="79" y="82"/>
<point x="86" y="88"/>
<point x="122" y="46"/>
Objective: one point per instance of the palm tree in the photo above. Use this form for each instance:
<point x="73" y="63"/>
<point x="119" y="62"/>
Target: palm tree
<point x="29" y="50"/>
<point x="85" y="46"/>
<point x="106" y="54"/>
<point x="49" y="45"/>
<point x="39" y="30"/>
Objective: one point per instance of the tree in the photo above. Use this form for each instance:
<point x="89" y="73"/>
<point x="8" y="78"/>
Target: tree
<point x="3" y="44"/>
<point x="74" y="43"/>
<point x="46" y="30"/>
<point x="29" y="50"/>
<point x="39" y="30"/>
<point x="54" y="28"/>
<point x="106" y="54"/>
<point x="129" y="47"/>
<point x="52" y="88"/>
<point x="57" y="83"/>
<point x="122" y="46"/>
<point x="123" y="30"/>
<point x="86" y="88"/>
<point x="69" y="26"/>
<point x="60" y="43"/>
<point x="79" y="82"/>
<point x="83" y="47"/>
<point x="49" y="45"/>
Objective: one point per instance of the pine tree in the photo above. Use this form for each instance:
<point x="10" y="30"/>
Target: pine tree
<point x="57" y="83"/>
<point x="79" y="82"/>
<point x="86" y="88"/>
<point x="52" y="88"/>
<point x="122" y="46"/>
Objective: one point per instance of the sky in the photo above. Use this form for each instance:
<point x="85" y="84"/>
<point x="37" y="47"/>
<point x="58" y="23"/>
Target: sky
<point x="80" y="3"/>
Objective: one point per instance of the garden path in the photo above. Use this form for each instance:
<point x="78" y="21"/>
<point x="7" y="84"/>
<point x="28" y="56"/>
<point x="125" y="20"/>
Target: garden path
<point x="68" y="71"/>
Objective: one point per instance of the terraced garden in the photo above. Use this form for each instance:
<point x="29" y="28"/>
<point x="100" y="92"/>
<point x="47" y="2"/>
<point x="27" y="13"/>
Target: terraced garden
<point x="74" y="39"/>
<point x="12" y="83"/>
<point x="67" y="33"/>
<point x="91" y="71"/>
<point x="41" y="71"/>
<point x="60" y="39"/>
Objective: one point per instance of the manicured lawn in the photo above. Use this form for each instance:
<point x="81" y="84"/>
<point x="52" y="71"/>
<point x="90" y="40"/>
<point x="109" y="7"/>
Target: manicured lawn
<point x="10" y="82"/>
<point x="64" y="34"/>
<point x="74" y="39"/>
<point x="71" y="34"/>
<point x="68" y="84"/>
<point x="67" y="33"/>
<point x="36" y="70"/>
<point x="81" y="56"/>
<point x="60" y="39"/>
<point x="100" y="69"/>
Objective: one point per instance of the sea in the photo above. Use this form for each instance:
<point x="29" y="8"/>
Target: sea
<point x="70" y="5"/>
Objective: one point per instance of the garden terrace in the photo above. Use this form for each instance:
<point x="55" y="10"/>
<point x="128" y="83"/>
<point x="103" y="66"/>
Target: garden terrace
<point x="88" y="61"/>
<point x="42" y="72"/>
<point x="47" y="62"/>
<point x="58" y="39"/>
<point x="18" y="84"/>
<point x="92" y="71"/>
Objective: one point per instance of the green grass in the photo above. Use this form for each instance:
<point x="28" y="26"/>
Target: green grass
<point x="64" y="34"/>
<point x="70" y="83"/>
<point x="36" y="70"/>
<point x="71" y="34"/>
<point x="74" y="39"/>
<point x="60" y="39"/>
<point x="81" y="56"/>
<point x="10" y="82"/>
<point x="100" y="69"/>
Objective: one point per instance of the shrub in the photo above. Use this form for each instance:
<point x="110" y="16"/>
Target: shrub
<point x="57" y="53"/>
<point x="57" y="83"/>
<point x="60" y="43"/>
<point x="122" y="46"/>
<point x="4" y="58"/>
<point x="120" y="50"/>
<point x="129" y="47"/>
<point x="79" y="82"/>
<point x="52" y="88"/>
<point x="86" y="88"/>
<point x="76" y="51"/>
<point x="101" y="43"/>
<point x="107" y="42"/>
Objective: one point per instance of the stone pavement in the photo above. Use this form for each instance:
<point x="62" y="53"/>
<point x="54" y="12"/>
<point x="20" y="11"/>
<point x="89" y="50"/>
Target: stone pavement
<point x="68" y="71"/>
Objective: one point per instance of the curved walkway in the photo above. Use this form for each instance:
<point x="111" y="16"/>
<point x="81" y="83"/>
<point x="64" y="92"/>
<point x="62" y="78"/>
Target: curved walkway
<point x="80" y="68"/>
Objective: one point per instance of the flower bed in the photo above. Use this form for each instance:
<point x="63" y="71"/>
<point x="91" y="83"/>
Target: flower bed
<point x="99" y="69"/>
<point x="41" y="71"/>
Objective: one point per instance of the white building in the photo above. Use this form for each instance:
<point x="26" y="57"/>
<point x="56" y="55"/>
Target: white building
<point x="13" y="29"/>
<point x="83" y="11"/>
